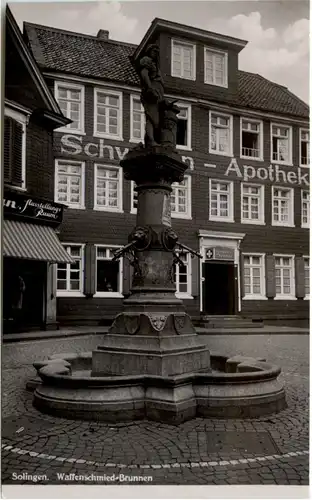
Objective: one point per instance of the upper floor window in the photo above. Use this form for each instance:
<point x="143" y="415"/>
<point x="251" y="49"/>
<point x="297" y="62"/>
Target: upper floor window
<point x="281" y="144"/>
<point x="137" y="119"/>
<point x="183" y="57"/>
<point x="108" y="114"/>
<point x="70" y="98"/>
<point x="183" y="276"/>
<point x="304" y="147"/>
<point x="107" y="188"/>
<point x="181" y="198"/>
<point x="69" y="183"/>
<point x="216" y="67"/>
<point x="284" y="277"/>
<point x="282" y="206"/>
<point x="134" y="198"/>
<point x="14" y="157"/>
<point x="254" y="281"/>
<point x="252" y="203"/>
<point x="220" y="133"/>
<point x="108" y="272"/>
<point x="305" y="208"/>
<point x="70" y="276"/>
<point x="251" y="139"/>
<point x="184" y="127"/>
<point x="221" y="200"/>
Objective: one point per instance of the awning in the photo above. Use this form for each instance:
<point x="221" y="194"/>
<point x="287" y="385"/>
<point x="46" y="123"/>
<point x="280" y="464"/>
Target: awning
<point x="32" y="241"/>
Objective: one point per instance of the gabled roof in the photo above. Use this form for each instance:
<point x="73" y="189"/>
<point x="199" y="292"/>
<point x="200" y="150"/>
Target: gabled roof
<point x="88" y="56"/>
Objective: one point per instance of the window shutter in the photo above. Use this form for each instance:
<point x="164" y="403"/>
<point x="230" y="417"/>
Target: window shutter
<point x="242" y="281"/>
<point x="89" y="270"/>
<point x="7" y="149"/>
<point x="195" y="276"/>
<point x="13" y="151"/>
<point x="300" y="288"/>
<point x="270" y="276"/>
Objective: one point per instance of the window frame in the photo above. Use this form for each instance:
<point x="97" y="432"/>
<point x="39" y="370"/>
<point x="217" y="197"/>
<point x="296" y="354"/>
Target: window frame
<point x="188" y="294"/>
<point x="119" y="208"/>
<point x="118" y="294"/>
<point x="188" y="146"/>
<point x="72" y="86"/>
<point x="132" y="138"/>
<point x="81" y="205"/>
<point x="105" y="135"/>
<point x="262" y="295"/>
<point x="188" y="213"/>
<point x="261" y="220"/>
<point x="260" y="122"/>
<point x="305" y="224"/>
<point x="291" y="210"/>
<point x="73" y="293"/>
<point x="306" y="296"/>
<point x="230" y="217"/>
<point x="193" y="47"/>
<point x="133" y="210"/>
<point x="292" y="295"/>
<point x="302" y="129"/>
<point x="225" y="83"/>
<point x="22" y="119"/>
<point x="290" y="159"/>
<point x="216" y="152"/>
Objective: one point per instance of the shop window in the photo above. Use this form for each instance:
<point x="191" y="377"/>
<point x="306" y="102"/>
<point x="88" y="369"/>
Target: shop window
<point x="108" y="272"/>
<point x="14" y="149"/>
<point x="252" y="204"/>
<point x="181" y="198"/>
<point x="70" y="98"/>
<point x="70" y="276"/>
<point x="183" y="57"/>
<point x="307" y="277"/>
<point x="284" y="277"/>
<point x="216" y="67"/>
<point x="182" y="276"/>
<point x="304" y="148"/>
<point x="305" y="208"/>
<point x="282" y="207"/>
<point x="281" y="144"/>
<point x="251" y="139"/>
<point x="254" y="281"/>
<point x="108" y="188"/>
<point x="221" y="200"/>
<point x="220" y="134"/>
<point x="108" y="114"/>
<point x="70" y="183"/>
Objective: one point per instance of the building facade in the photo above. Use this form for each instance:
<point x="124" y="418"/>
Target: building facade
<point x="244" y="202"/>
<point x="30" y="244"/>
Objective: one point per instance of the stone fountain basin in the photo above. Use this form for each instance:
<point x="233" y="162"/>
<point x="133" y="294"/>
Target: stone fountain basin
<point x="236" y="387"/>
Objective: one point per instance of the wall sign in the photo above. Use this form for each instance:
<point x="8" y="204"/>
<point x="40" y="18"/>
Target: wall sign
<point x="21" y="206"/>
<point x="220" y="253"/>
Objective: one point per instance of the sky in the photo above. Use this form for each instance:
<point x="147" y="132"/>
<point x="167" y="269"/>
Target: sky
<point x="277" y="31"/>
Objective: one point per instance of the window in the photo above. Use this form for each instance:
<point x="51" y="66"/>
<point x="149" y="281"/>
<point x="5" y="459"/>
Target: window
<point x="305" y="208"/>
<point x="183" y="57"/>
<point x="221" y="200"/>
<point x="70" y="98"/>
<point x="216" y="67"/>
<point x="220" y="134"/>
<point x="134" y="198"/>
<point x="14" y="151"/>
<point x="251" y="139"/>
<point x="252" y="204"/>
<point x="307" y="277"/>
<point x="282" y="207"/>
<point x="284" y="277"/>
<point x="137" y="124"/>
<point x="108" y="114"/>
<point x="304" y="148"/>
<point x="184" y="127"/>
<point x="254" y="280"/>
<point x="70" y="276"/>
<point x="108" y="273"/>
<point x="182" y="276"/>
<point x="281" y="144"/>
<point x="181" y="198"/>
<point x="70" y="183"/>
<point x="107" y="188"/>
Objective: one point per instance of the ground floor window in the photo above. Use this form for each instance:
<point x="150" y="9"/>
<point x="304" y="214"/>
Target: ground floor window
<point x="284" y="277"/>
<point x="182" y="275"/>
<point x="70" y="276"/>
<point x="108" y="272"/>
<point x="307" y="276"/>
<point x="254" y="283"/>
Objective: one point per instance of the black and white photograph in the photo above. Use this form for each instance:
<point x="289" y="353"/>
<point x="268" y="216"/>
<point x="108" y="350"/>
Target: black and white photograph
<point x="155" y="249"/>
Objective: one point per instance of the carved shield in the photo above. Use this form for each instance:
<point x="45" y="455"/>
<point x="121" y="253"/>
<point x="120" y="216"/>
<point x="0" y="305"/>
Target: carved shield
<point x="158" y="322"/>
<point x="179" y="323"/>
<point x="132" y="324"/>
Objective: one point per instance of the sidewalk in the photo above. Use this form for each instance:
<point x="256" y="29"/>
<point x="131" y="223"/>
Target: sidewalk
<point x="95" y="330"/>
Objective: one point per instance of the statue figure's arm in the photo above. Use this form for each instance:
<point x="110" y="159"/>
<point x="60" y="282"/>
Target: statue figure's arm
<point x="145" y="78"/>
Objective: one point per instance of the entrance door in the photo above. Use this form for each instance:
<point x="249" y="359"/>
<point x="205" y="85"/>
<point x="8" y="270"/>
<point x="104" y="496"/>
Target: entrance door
<point x="219" y="288"/>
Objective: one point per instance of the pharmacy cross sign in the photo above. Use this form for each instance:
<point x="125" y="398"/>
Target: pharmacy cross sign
<point x="209" y="254"/>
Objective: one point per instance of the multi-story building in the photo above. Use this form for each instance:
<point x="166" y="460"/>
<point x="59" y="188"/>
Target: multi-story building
<point x="244" y="202"/>
<point x="30" y="244"/>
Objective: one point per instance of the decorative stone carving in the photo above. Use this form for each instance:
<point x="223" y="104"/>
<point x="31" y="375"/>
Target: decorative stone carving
<point x="169" y="238"/>
<point x="132" y="323"/>
<point x="179" y="322"/>
<point x="158" y="322"/>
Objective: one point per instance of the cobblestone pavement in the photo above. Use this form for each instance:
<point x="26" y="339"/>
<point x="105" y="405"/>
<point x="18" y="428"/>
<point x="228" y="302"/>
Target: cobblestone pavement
<point x="268" y="450"/>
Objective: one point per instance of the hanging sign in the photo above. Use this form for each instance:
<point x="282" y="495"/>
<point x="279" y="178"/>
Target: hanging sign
<point x="220" y="253"/>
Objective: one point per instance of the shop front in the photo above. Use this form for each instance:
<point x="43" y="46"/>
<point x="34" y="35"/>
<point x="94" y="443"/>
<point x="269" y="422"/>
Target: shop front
<point x="30" y="248"/>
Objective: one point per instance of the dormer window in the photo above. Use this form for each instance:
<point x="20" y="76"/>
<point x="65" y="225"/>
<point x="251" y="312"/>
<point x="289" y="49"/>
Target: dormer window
<point x="183" y="56"/>
<point x="216" y="67"/>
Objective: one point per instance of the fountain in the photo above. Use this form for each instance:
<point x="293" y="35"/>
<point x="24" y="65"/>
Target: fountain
<point x="152" y="364"/>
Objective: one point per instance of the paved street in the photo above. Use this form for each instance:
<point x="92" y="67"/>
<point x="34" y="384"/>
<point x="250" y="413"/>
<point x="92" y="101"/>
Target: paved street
<point x="268" y="450"/>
